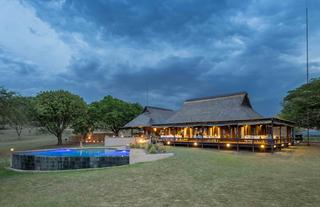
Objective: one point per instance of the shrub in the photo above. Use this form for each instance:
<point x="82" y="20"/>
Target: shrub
<point x="162" y="149"/>
<point x="155" y="148"/>
<point x="138" y="145"/>
<point x="152" y="149"/>
<point x="149" y="148"/>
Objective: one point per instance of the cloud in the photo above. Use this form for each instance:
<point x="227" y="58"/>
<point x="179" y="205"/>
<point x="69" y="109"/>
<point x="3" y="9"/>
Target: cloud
<point x="173" y="49"/>
<point x="23" y="35"/>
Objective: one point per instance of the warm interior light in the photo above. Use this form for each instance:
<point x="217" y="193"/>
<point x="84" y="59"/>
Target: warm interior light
<point x="12" y="149"/>
<point x="274" y="146"/>
<point x="289" y="143"/>
<point x="262" y="146"/>
<point x="141" y="141"/>
<point x="155" y="129"/>
<point x="228" y="145"/>
<point x="195" y="144"/>
<point x="282" y="145"/>
<point x="168" y="142"/>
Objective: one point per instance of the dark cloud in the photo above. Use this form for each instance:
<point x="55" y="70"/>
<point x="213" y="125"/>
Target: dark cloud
<point x="177" y="49"/>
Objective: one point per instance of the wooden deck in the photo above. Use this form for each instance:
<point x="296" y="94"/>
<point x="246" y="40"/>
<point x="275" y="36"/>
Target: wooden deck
<point x="267" y="145"/>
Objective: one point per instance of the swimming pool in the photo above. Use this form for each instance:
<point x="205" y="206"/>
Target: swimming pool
<point x="69" y="158"/>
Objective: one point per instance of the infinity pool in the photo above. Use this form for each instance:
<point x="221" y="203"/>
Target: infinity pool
<point x="68" y="158"/>
<point x="89" y="152"/>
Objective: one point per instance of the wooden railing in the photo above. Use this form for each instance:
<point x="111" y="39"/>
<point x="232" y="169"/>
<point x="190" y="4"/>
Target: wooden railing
<point x="270" y="144"/>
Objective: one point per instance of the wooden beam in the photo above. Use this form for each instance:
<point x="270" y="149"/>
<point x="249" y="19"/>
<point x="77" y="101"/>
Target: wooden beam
<point x="272" y="135"/>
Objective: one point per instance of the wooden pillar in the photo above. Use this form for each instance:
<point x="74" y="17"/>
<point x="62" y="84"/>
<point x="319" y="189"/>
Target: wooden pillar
<point x="237" y="144"/>
<point x="272" y="142"/>
<point x="280" y="137"/>
<point x="293" y="135"/>
<point x="202" y="130"/>
<point x="252" y="141"/>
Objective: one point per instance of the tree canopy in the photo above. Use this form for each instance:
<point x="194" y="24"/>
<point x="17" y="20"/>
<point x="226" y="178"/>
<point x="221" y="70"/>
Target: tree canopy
<point x="302" y="105"/>
<point x="84" y="124"/>
<point x="111" y="113"/>
<point x="20" y="113"/>
<point x="5" y="97"/>
<point x="57" y="110"/>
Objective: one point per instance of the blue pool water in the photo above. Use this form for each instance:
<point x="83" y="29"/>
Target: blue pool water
<point x="89" y="152"/>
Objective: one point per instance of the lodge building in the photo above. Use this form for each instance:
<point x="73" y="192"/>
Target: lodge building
<point x="226" y="121"/>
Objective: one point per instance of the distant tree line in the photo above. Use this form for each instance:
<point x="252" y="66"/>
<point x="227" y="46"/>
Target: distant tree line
<point x="58" y="110"/>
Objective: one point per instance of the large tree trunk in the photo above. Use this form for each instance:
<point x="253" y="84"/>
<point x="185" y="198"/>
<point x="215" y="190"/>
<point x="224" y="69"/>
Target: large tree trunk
<point x="116" y="132"/>
<point x="19" y="131"/>
<point x="59" y="136"/>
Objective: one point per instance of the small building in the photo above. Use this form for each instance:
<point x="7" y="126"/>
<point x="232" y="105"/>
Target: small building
<point x="225" y="121"/>
<point x="150" y="116"/>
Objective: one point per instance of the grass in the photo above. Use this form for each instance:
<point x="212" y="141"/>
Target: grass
<point x="312" y="139"/>
<point x="194" y="177"/>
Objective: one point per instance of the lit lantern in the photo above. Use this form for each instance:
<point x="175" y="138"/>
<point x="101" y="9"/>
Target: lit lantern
<point x="262" y="146"/>
<point x="168" y="143"/>
<point x="228" y="145"/>
<point x="11" y="149"/>
<point x="282" y="145"/>
<point x="195" y="144"/>
<point x="274" y="146"/>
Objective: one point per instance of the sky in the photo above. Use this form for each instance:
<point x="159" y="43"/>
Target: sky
<point x="159" y="52"/>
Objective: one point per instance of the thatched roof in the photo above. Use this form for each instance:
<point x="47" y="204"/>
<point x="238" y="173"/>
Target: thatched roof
<point x="150" y="116"/>
<point x="228" y="107"/>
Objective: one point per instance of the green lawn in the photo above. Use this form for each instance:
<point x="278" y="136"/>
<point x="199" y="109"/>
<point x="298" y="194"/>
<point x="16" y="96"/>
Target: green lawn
<point x="312" y="139"/>
<point x="194" y="177"/>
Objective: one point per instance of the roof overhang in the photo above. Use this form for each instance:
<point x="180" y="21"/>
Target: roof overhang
<point x="274" y="121"/>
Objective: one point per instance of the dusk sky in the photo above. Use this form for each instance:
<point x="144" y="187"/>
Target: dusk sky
<point x="177" y="49"/>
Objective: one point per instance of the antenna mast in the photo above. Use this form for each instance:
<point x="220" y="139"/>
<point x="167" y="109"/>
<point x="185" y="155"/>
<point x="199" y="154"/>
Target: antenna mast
<point x="147" y="95"/>
<point x="307" y="66"/>
<point x="307" y="45"/>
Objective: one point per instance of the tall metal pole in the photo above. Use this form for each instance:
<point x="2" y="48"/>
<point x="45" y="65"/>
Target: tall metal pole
<point x="147" y="95"/>
<point x="307" y="45"/>
<point x="307" y="65"/>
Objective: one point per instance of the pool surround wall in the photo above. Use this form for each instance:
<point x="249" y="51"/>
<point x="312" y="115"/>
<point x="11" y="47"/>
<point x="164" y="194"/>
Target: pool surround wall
<point x="22" y="161"/>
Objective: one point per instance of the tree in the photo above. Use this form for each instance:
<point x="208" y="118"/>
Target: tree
<point x="19" y="113"/>
<point x="83" y="125"/>
<point x="5" y="97"/>
<point x="302" y="105"/>
<point x="57" y="110"/>
<point x="112" y="113"/>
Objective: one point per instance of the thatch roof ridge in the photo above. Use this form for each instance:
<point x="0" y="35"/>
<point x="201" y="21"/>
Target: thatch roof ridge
<point x="150" y="115"/>
<point x="217" y="96"/>
<point x="226" y="107"/>
<point x="156" y="108"/>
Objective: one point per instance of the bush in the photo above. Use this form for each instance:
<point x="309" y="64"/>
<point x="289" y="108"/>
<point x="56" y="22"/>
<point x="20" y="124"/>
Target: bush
<point x="155" y="148"/>
<point x="138" y="145"/>
<point x="149" y="148"/>
<point x="152" y="149"/>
